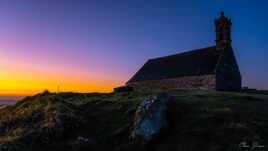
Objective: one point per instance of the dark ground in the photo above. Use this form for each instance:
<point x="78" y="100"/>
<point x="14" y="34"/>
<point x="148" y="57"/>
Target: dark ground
<point x="198" y="121"/>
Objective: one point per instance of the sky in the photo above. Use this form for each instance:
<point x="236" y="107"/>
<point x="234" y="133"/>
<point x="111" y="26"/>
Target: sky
<point x="95" y="45"/>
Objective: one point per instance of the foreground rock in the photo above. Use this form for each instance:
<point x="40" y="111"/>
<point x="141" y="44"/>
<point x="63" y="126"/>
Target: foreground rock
<point x="150" y="118"/>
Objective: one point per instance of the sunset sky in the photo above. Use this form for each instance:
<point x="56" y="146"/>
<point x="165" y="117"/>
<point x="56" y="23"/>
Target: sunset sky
<point x="95" y="45"/>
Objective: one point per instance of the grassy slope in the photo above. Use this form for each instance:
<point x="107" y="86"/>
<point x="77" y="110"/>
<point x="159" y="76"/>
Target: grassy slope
<point x="200" y="120"/>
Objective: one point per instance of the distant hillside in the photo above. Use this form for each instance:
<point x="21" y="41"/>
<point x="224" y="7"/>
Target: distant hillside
<point x="198" y="121"/>
<point x="8" y="100"/>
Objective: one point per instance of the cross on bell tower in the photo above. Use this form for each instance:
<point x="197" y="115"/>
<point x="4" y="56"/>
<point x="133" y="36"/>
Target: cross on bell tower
<point x="223" y="32"/>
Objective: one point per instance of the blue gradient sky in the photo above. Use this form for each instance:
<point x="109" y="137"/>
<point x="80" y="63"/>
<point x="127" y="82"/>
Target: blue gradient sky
<point x="102" y="43"/>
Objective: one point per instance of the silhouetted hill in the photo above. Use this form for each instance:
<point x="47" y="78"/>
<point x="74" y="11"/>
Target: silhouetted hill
<point x="198" y="120"/>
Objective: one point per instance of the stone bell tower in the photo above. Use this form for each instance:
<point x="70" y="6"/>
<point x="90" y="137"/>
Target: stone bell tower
<point x="223" y="32"/>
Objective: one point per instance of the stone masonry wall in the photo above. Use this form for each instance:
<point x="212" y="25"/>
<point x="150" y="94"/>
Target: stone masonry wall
<point x="191" y="82"/>
<point x="228" y="75"/>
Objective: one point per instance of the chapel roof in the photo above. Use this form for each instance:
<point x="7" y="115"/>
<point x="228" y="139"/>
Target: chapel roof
<point x="191" y="63"/>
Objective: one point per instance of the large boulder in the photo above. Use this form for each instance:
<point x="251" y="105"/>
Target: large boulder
<point x="151" y="118"/>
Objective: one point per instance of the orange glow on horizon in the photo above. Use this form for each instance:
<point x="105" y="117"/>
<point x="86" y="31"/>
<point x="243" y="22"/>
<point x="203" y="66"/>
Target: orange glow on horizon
<point x="33" y="86"/>
<point x="25" y="80"/>
<point x="23" y="74"/>
<point x="23" y="84"/>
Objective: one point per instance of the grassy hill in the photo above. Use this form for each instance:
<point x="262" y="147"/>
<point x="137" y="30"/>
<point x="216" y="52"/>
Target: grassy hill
<point x="198" y="120"/>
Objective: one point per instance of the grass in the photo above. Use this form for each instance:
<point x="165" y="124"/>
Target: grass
<point x="52" y="121"/>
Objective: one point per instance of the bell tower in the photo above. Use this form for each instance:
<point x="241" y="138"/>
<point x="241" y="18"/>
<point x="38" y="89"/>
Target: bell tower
<point x="223" y="32"/>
